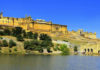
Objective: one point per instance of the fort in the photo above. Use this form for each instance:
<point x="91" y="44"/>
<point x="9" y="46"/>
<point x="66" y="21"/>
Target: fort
<point x="41" y="26"/>
<point x="89" y="41"/>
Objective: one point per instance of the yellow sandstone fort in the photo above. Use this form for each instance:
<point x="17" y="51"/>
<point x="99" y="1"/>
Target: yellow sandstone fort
<point x="89" y="41"/>
<point x="41" y="26"/>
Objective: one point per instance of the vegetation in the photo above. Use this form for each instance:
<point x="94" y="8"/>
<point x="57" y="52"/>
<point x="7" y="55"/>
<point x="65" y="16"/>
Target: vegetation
<point x="24" y="34"/>
<point x="39" y="45"/>
<point x="36" y="42"/>
<point x="7" y="32"/>
<point x="20" y="38"/>
<point x="56" y="47"/>
<point x="5" y="43"/>
<point x="75" y="49"/>
<point x="45" y="37"/>
<point x="30" y="35"/>
<point x="12" y="43"/>
<point x="64" y="49"/>
<point x="16" y="31"/>
<point x="35" y="36"/>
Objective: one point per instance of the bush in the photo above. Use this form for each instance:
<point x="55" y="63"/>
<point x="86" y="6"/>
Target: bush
<point x="24" y="34"/>
<point x="56" y="47"/>
<point x="1" y="37"/>
<point x="48" y="49"/>
<point x="12" y="43"/>
<point x="1" y="33"/>
<point x="16" y="31"/>
<point x="35" y="36"/>
<point x="5" y="43"/>
<point x="75" y="49"/>
<point x="30" y="35"/>
<point x="27" y="45"/>
<point x="7" y="32"/>
<point x="45" y="37"/>
<point x="32" y="45"/>
<point x="20" y="38"/>
<point x="46" y="44"/>
<point x="15" y="49"/>
<point x="64" y="49"/>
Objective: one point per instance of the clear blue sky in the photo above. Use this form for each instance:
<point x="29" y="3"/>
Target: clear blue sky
<point x="76" y="14"/>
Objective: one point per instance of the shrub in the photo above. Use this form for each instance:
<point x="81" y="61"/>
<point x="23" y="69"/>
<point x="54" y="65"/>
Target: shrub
<point x="24" y="34"/>
<point x="27" y="45"/>
<point x="20" y="38"/>
<point x="35" y="36"/>
<point x="48" y="49"/>
<point x="1" y="33"/>
<point x="1" y="38"/>
<point x="7" y="32"/>
<point x="16" y="31"/>
<point x="12" y="43"/>
<point x="30" y="35"/>
<point x="46" y="44"/>
<point x="15" y="49"/>
<point x="64" y="49"/>
<point x="45" y="37"/>
<point x="5" y="43"/>
<point x="75" y="49"/>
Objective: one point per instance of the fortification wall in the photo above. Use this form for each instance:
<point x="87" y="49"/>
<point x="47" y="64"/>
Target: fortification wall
<point x="39" y="26"/>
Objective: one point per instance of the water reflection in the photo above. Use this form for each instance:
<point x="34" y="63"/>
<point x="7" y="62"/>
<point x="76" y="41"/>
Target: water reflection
<point x="40" y="62"/>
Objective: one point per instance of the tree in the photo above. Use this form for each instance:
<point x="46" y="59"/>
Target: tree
<point x="45" y="37"/>
<point x="7" y="32"/>
<point x="5" y="44"/>
<point x="27" y="45"/>
<point x="35" y="35"/>
<point x="75" y="49"/>
<point x="48" y="49"/>
<point x="24" y="34"/>
<point x="64" y="49"/>
<point x="16" y="31"/>
<point x="12" y="43"/>
<point x="1" y="33"/>
<point x="20" y="38"/>
<point x="30" y="35"/>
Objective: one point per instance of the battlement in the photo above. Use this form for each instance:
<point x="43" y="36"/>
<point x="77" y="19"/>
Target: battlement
<point x="42" y="26"/>
<point x="80" y="32"/>
<point x="39" y="25"/>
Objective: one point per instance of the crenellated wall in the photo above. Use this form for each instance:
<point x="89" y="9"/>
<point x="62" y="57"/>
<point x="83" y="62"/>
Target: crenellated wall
<point x="82" y="33"/>
<point x="39" y="26"/>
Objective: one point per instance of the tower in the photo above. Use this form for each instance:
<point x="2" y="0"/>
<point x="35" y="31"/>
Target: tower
<point x="1" y="14"/>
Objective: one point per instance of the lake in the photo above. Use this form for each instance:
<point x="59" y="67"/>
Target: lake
<point x="41" y="62"/>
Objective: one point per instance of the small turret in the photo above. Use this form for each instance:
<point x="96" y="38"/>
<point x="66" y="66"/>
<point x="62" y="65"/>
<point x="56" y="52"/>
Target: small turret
<point x="1" y="14"/>
<point x="95" y="33"/>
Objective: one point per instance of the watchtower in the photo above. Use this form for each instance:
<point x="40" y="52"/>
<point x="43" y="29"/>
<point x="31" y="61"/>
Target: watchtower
<point x="1" y="14"/>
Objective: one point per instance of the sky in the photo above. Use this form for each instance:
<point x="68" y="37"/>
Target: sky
<point x="76" y="14"/>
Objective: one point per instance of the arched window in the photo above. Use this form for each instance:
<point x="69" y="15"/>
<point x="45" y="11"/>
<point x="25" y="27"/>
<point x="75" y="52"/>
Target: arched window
<point x="88" y="50"/>
<point x="91" y="50"/>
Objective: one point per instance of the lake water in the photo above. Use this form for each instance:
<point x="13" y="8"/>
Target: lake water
<point x="40" y="62"/>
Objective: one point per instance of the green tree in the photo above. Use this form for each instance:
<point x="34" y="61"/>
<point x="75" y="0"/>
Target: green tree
<point x="5" y="43"/>
<point x="30" y="35"/>
<point x="48" y="49"/>
<point x="75" y="49"/>
<point x="64" y="49"/>
<point x="12" y="43"/>
<point x="45" y="37"/>
<point x="27" y="45"/>
<point x="1" y="33"/>
<point x="16" y="31"/>
<point x="24" y="34"/>
<point x="20" y="38"/>
<point x="35" y="36"/>
<point x="7" y="32"/>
